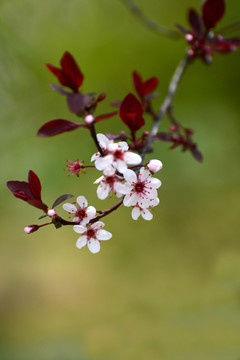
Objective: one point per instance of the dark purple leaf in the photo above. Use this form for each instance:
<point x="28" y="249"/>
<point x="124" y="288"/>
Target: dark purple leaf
<point x="195" y="21"/>
<point x="197" y="154"/>
<point x="131" y="112"/>
<point x="122" y="136"/>
<point x="56" y="127"/>
<point x="59" y="89"/>
<point x="35" y="184"/>
<point x="77" y="102"/>
<point x="212" y="12"/>
<point x="60" y="199"/>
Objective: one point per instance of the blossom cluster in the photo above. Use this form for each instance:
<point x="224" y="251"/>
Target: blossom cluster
<point x="120" y="157"/>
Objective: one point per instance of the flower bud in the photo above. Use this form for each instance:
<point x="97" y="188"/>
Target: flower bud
<point x="154" y="165"/>
<point x="31" y="228"/>
<point x="189" y="37"/>
<point x="89" y="119"/>
<point x="51" y="212"/>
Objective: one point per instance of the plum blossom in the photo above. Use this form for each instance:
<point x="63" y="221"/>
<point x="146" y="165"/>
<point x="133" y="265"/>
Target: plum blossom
<point x="91" y="235"/>
<point x="107" y="185"/>
<point x="140" y="190"/>
<point x="83" y="214"/>
<point x="116" y="156"/>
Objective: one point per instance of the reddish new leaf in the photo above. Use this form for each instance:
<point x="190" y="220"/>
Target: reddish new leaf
<point x="212" y="12"/>
<point x="35" y="184"/>
<point x="195" y="21"/>
<point x="71" y="68"/>
<point x="56" y="127"/>
<point x="69" y="75"/>
<point x="28" y="191"/>
<point x="131" y="112"/>
<point x="144" y="88"/>
<point x="61" y="198"/>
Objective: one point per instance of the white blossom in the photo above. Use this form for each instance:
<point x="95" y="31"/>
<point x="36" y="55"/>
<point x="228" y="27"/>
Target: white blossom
<point x="116" y="155"/>
<point x="140" y="190"/>
<point x="107" y="185"/>
<point x="83" y="214"/>
<point x="91" y="235"/>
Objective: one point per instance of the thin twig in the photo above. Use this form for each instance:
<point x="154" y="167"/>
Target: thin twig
<point x="152" y="25"/>
<point x="167" y="102"/>
<point x="229" y="28"/>
<point x="106" y="212"/>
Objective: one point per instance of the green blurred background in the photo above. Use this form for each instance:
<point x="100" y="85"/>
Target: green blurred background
<point x="168" y="289"/>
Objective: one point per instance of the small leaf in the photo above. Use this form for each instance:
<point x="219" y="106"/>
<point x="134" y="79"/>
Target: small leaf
<point x="197" y="154"/>
<point x="77" y="102"/>
<point x="131" y="112"/>
<point x="61" y="198"/>
<point x="41" y="217"/>
<point x="195" y="21"/>
<point x="212" y="12"/>
<point x="56" y="127"/>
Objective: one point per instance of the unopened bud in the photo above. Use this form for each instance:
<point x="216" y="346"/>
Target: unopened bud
<point x="173" y="128"/>
<point x="154" y="165"/>
<point x="189" y="37"/>
<point x="89" y="119"/>
<point x="31" y="228"/>
<point x="51" y="212"/>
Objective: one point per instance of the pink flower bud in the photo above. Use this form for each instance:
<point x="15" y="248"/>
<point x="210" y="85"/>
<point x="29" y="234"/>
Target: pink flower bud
<point x="154" y="165"/>
<point x="31" y="228"/>
<point x="89" y="119"/>
<point x="189" y="37"/>
<point x="51" y="212"/>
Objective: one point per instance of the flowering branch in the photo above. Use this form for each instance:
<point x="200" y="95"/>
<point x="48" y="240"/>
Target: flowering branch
<point x="152" y="25"/>
<point x="123" y="173"/>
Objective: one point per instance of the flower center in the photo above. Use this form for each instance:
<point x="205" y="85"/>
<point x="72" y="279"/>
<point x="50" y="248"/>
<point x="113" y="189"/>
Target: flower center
<point x="139" y="187"/>
<point x="81" y="213"/>
<point x="90" y="233"/>
<point x="110" y="180"/>
<point x="118" y="154"/>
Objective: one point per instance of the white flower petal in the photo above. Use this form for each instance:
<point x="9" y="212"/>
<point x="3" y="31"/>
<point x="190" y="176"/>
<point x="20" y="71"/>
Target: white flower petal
<point x="112" y="147"/>
<point x="130" y="199"/>
<point x="146" y="214"/>
<point x="121" y="166"/>
<point x="93" y="246"/>
<point x="85" y="221"/>
<point x="154" y="202"/>
<point x="79" y="229"/>
<point x="97" y="225"/>
<point x="103" y="140"/>
<point x="70" y="208"/>
<point x="132" y="158"/>
<point x="130" y="176"/>
<point x="123" y="145"/>
<point x="104" y="162"/>
<point x="81" y="241"/>
<point x="76" y="219"/>
<point x="109" y="171"/>
<point x="103" y="235"/>
<point x="135" y="213"/>
<point x="122" y="188"/>
<point x="144" y="174"/>
<point x="156" y="183"/>
<point x="95" y="156"/>
<point x="82" y="202"/>
<point x="91" y="212"/>
<point x="103" y="191"/>
<point x="99" y="180"/>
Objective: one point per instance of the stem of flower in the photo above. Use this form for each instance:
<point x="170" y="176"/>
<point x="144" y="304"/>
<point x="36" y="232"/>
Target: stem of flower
<point x="106" y="212"/>
<point x="94" y="136"/>
<point x="152" y="25"/>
